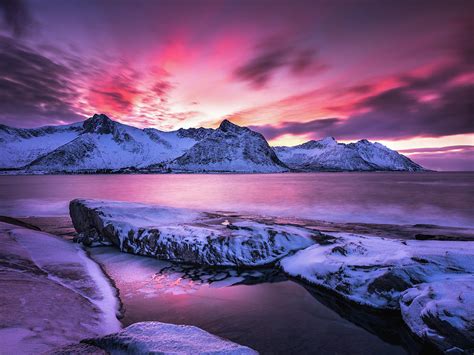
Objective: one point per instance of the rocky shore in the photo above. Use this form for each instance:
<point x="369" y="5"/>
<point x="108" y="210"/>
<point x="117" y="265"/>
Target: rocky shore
<point x="56" y="300"/>
<point x="430" y="282"/>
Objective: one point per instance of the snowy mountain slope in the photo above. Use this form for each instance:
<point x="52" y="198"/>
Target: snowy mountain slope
<point x="230" y="148"/>
<point x="21" y="146"/>
<point x="100" y="143"/>
<point x="105" y="144"/>
<point x="329" y="155"/>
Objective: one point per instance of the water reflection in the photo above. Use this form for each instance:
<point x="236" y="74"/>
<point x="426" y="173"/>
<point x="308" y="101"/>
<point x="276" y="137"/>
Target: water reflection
<point x="260" y="308"/>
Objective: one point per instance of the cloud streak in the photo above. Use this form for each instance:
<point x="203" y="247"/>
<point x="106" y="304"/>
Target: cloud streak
<point x="275" y="55"/>
<point x="33" y="86"/>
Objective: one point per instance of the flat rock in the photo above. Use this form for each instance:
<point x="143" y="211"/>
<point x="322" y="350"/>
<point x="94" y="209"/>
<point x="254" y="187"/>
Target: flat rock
<point x="164" y="338"/>
<point x="184" y="235"/>
<point x="52" y="294"/>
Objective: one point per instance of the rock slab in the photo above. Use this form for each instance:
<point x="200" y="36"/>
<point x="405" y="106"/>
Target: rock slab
<point x="186" y="236"/>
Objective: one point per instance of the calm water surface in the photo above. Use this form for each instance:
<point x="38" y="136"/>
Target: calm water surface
<point x="264" y="310"/>
<point x="400" y="198"/>
<point x="268" y="314"/>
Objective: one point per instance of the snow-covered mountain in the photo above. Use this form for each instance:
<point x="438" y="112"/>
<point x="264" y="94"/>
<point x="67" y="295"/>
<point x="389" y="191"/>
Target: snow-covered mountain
<point x="21" y="146"/>
<point x="101" y="144"/>
<point x="230" y="148"/>
<point x="329" y="155"/>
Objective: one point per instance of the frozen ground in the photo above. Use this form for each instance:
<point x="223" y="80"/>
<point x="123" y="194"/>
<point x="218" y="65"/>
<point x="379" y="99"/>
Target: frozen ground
<point x="431" y="281"/>
<point x="184" y="235"/>
<point x="52" y="293"/>
<point x="164" y="338"/>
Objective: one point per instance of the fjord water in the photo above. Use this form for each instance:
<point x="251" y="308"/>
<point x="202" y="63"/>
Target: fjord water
<point x="399" y="198"/>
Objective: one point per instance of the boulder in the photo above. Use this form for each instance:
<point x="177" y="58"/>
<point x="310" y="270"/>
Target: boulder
<point x="186" y="236"/>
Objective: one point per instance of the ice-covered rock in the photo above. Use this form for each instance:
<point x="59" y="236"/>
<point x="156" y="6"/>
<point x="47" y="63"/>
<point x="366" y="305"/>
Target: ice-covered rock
<point x="52" y="294"/>
<point x="374" y="271"/>
<point x="164" y="338"/>
<point x="327" y="154"/>
<point x="442" y="312"/>
<point x="432" y="282"/>
<point x="184" y="235"/>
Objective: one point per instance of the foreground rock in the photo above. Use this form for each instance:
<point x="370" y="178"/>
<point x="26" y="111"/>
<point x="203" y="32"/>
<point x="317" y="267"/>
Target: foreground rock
<point x="431" y="282"/>
<point x="442" y="312"/>
<point x="184" y="235"/>
<point x="51" y="293"/>
<point x="164" y="338"/>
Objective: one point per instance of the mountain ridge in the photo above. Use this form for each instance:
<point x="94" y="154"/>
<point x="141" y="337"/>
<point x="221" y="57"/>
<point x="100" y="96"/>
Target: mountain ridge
<point x="100" y="144"/>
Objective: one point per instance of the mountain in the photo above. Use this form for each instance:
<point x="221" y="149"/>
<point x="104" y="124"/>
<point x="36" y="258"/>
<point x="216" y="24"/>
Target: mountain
<point x="21" y="146"/>
<point x="100" y="144"/>
<point x="230" y="148"/>
<point x="97" y="143"/>
<point x="329" y="155"/>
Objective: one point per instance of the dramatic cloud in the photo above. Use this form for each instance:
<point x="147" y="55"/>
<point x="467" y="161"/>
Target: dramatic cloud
<point x="294" y="70"/>
<point x="33" y="87"/>
<point x="313" y="127"/>
<point x="273" y="55"/>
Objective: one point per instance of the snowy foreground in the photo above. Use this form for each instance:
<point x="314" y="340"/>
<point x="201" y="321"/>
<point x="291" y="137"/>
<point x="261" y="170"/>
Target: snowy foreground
<point x="51" y="293"/>
<point x="430" y="282"/>
<point x="185" y="235"/>
<point x="55" y="300"/>
<point x="164" y="338"/>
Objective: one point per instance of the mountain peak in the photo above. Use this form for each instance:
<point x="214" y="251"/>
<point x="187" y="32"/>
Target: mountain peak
<point x="228" y="126"/>
<point x="322" y="143"/>
<point x="328" y="141"/>
<point x="99" y="123"/>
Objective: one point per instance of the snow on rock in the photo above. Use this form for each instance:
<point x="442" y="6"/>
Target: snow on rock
<point x="432" y="282"/>
<point x="327" y="154"/>
<point x="442" y="312"/>
<point x="374" y="271"/>
<point x="52" y="293"/>
<point x="164" y="338"/>
<point x="185" y="235"/>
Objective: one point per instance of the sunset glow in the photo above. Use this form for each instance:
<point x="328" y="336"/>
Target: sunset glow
<point x="401" y="73"/>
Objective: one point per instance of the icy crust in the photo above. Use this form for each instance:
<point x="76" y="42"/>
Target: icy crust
<point x="431" y="282"/>
<point x="442" y="311"/>
<point x="164" y="338"/>
<point x="374" y="271"/>
<point x="184" y="235"/>
<point x="52" y="294"/>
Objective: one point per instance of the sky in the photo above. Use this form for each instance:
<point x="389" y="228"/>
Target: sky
<point x="397" y="72"/>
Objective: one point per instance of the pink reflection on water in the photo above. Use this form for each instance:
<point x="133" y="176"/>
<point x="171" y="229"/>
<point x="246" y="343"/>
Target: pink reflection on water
<point x="434" y="198"/>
